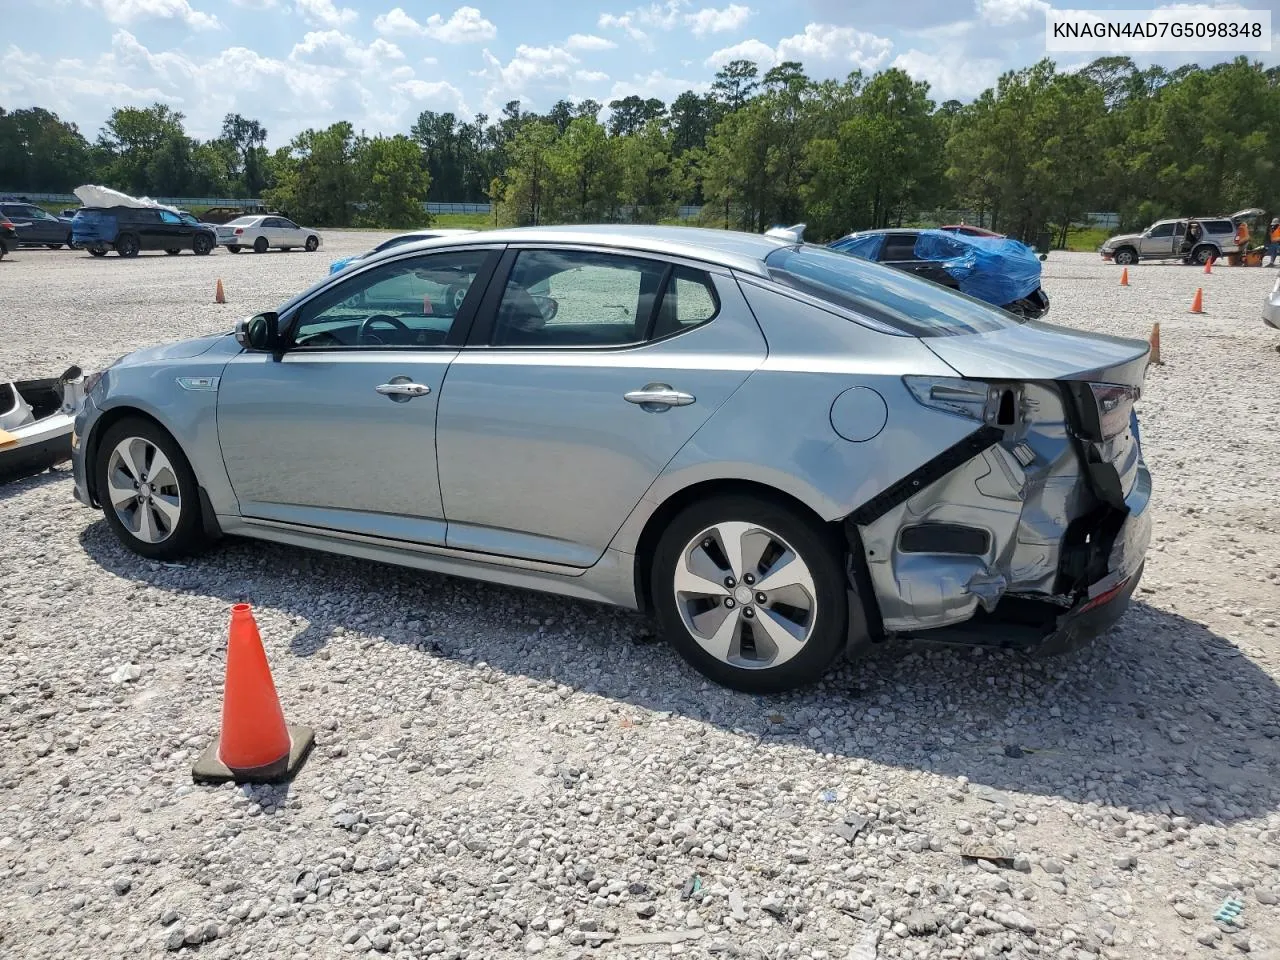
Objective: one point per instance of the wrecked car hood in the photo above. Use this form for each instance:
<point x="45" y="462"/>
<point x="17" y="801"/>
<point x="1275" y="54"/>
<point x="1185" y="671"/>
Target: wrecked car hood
<point x="1042" y="351"/>
<point x="1122" y="238"/>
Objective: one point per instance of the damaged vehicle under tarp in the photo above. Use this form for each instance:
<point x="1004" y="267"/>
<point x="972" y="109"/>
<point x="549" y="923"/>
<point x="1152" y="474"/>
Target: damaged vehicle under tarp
<point x="36" y="421"/>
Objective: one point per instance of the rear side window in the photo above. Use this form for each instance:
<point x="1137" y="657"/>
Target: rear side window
<point x="1220" y="226"/>
<point x="905" y="302"/>
<point x="899" y="246"/>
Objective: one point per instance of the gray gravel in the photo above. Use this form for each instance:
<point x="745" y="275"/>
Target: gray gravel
<point x="503" y="774"/>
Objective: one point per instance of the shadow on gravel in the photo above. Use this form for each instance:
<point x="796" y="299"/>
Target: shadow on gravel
<point x="1160" y="716"/>
<point x="14" y="483"/>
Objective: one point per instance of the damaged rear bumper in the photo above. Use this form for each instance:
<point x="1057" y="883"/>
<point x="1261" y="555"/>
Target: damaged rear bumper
<point x="1012" y="538"/>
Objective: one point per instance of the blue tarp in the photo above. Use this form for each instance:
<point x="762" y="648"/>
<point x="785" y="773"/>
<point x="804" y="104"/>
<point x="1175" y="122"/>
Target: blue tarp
<point x="995" y="269"/>
<point x="867" y="246"/>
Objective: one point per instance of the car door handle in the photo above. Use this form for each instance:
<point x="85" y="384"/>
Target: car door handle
<point x="659" y="394"/>
<point x="402" y="391"/>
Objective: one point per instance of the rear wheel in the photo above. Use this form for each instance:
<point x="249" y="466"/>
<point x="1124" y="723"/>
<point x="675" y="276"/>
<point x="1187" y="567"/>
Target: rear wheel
<point x="202" y="244"/>
<point x="313" y="243"/>
<point x="1125" y="256"/>
<point x="127" y="245"/>
<point x="751" y="593"/>
<point x="1204" y="253"/>
<point x="260" y="245"/>
<point x="148" y="490"/>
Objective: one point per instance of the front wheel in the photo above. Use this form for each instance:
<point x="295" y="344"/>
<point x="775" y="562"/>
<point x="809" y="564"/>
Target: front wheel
<point x="751" y="593"/>
<point x="148" y="490"/>
<point x="313" y="244"/>
<point x="1125" y="256"/>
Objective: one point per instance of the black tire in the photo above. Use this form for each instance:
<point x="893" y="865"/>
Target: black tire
<point x="1126" y="256"/>
<point x="233" y="248"/>
<point x="260" y="245"/>
<point x="313" y="244"/>
<point x="1204" y="253"/>
<point x="127" y="245"/>
<point x="54" y="246"/>
<point x="97" y="251"/>
<point x="173" y="251"/>
<point x="187" y="535"/>
<point x="812" y="543"/>
<point x="202" y="244"/>
<point x="454" y="295"/>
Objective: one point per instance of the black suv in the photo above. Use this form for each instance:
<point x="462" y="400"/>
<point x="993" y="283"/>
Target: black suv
<point x="128" y="230"/>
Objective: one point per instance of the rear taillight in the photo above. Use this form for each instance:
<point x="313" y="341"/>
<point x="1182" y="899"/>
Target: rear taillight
<point x="1115" y="405"/>
<point x="6" y="225"/>
<point x="239" y="230"/>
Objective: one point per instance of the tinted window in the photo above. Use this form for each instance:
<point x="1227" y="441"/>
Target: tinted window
<point x="568" y="298"/>
<point x="407" y="303"/>
<point x="167" y="217"/>
<point x="905" y="302"/>
<point x="287" y="224"/>
<point x="21" y="210"/>
<point x="899" y="246"/>
<point x="1219" y="226"/>
<point x="1161" y="230"/>
<point x="395" y="242"/>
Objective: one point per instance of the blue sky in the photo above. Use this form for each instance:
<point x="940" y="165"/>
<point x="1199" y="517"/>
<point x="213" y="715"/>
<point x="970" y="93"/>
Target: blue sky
<point x="299" y="63"/>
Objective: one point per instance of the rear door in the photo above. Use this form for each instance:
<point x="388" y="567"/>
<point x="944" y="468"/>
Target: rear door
<point x="586" y="373"/>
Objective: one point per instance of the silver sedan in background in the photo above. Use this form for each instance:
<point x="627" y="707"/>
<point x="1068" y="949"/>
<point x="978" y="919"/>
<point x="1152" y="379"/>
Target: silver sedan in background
<point x="263" y="233"/>
<point x="782" y="452"/>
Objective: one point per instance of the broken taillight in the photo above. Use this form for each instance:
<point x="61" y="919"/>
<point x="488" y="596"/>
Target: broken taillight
<point x="1115" y="404"/>
<point x="239" y="230"/>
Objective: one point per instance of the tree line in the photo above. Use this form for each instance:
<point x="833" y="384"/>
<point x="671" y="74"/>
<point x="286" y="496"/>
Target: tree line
<point x="1042" y="147"/>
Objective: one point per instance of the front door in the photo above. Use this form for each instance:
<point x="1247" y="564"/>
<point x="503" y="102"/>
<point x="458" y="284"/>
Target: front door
<point x="1159" y="241"/>
<point x="586" y="373"/>
<point x="175" y="233"/>
<point x="339" y="432"/>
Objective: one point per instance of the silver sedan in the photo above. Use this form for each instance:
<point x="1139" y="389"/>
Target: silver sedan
<point x="263" y="233"/>
<point x="783" y="452"/>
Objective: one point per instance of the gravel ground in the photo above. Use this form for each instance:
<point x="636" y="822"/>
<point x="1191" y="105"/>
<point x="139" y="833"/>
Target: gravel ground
<point x="500" y="773"/>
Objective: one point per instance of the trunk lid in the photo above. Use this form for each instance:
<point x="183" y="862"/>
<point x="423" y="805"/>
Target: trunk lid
<point x="1248" y="214"/>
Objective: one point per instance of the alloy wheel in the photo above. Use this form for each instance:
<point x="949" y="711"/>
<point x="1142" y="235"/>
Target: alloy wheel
<point x="143" y="490"/>
<point x="745" y="596"/>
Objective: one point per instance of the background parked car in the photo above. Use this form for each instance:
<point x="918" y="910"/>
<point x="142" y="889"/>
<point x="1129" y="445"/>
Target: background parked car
<point x="968" y="230"/>
<point x="1163" y="240"/>
<point x="220" y="215"/>
<point x="1000" y="271"/>
<point x="129" y="230"/>
<point x="425" y="234"/>
<point x="262" y="233"/>
<point x="36" y="227"/>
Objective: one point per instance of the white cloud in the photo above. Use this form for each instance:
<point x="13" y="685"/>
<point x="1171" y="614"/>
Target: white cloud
<point x="438" y="92"/>
<point x="588" y="42"/>
<point x="951" y="75"/>
<point x="1001" y="13"/>
<point x="625" y="22"/>
<point x="335" y="49"/>
<point x="710" y="20"/>
<point x="656" y="84"/>
<point x="823" y="42"/>
<point x="754" y="50"/>
<point x="664" y="16"/>
<point x="396" y="22"/>
<point x="590" y="76"/>
<point x="324" y="13"/>
<point x="254" y="4"/>
<point x="529" y="65"/>
<point x="127" y="11"/>
<point x="465" y="25"/>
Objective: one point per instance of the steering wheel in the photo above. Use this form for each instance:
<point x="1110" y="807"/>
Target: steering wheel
<point x="366" y="335"/>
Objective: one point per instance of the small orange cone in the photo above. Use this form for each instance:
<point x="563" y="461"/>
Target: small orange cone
<point x="1155" y="346"/>
<point x="1208" y="265"/>
<point x="219" y="295"/>
<point x="1197" y="305"/>
<point x="1124" y="277"/>
<point x="256" y="745"/>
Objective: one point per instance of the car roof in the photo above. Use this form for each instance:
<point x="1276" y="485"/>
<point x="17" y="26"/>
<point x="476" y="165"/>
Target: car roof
<point x="724" y="248"/>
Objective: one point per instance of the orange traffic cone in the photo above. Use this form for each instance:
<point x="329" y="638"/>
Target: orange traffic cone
<point x="1208" y="265"/>
<point x="1124" y="277"/>
<point x="1154" y="356"/>
<point x="1197" y="305"/>
<point x="219" y="295"/>
<point x="256" y="745"/>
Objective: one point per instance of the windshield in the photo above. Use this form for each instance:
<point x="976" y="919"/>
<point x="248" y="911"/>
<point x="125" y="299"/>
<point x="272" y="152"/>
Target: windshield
<point x="908" y="303"/>
<point x="396" y="241"/>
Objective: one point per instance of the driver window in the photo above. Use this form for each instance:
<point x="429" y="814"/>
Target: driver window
<point x="167" y="217"/>
<point x="1161" y="230"/>
<point x="404" y="303"/>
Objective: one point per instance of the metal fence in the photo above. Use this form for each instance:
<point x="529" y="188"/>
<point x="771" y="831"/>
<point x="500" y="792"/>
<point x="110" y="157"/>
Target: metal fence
<point x="171" y="201"/>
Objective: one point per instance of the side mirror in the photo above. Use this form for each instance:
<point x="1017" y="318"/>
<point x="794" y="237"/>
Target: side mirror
<point x="259" y="333"/>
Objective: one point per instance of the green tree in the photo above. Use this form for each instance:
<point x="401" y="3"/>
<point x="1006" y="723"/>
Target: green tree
<point x="40" y="152"/>
<point x="529" y="185"/>
<point x="316" y="178"/>
<point x="394" y="182"/>
<point x="652" y="178"/>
